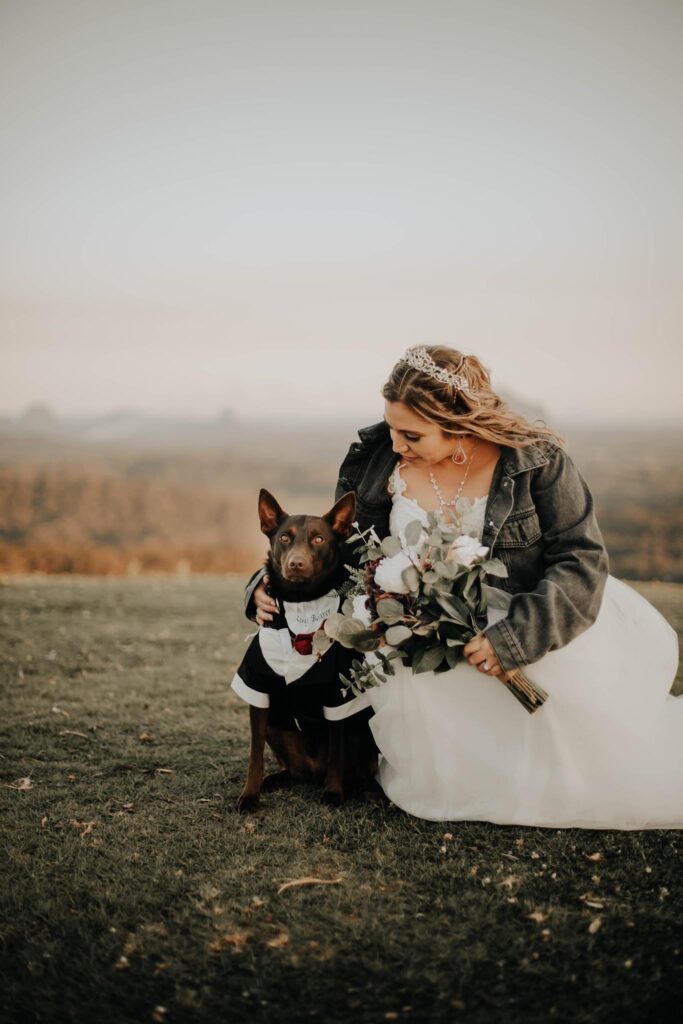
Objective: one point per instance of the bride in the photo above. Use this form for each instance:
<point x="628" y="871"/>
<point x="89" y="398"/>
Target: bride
<point x="606" y="748"/>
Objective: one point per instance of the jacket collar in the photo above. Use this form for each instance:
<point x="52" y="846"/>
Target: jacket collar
<point x="520" y="460"/>
<point x="374" y="432"/>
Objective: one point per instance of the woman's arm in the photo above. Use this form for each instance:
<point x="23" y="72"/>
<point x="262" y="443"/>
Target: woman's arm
<point x="567" y="599"/>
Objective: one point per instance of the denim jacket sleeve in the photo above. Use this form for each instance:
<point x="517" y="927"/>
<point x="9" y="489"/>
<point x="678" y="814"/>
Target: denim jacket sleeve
<point x="567" y="597"/>
<point x="249" y="606"/>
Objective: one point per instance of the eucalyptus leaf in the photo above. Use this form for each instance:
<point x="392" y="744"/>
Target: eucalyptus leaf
<point x="472" y="577"/>
<point x="391" y="546"/>
<point x="348" y="631"/>
<point x="455" y="608"/>
<point x="321" y="642"/>
<point x="389" y="610"/>
<point x="453" y="656"/>
<point x="413" y="532"/>
<point x="396" y="635"/>
<point x="494" y="567"/>
<point x="448" y="628"/>
<point x="333" y="623"/>
<point x="426" y="629"/>
<point x="411" y="578"/>
<point x="426" y="659"/>
<point x="350" y="627"/>
<point x="446" y="571"/>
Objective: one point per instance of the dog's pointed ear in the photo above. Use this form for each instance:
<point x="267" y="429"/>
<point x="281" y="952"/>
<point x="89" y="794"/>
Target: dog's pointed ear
<point x="269" y="512"/>
<point x="342" y="515"/>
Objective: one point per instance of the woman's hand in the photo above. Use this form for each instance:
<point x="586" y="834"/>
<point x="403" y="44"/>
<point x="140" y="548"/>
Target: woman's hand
<point x="481" y="655"/>
<point x="266" y="607"/>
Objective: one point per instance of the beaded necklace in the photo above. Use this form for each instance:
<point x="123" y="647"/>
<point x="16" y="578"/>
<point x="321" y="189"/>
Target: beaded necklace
<point x="452" y="504"/>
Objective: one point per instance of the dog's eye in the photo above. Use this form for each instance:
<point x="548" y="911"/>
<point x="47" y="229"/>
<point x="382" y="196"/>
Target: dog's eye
<point x="318" y="539"/>
<point x="284" y="537"/>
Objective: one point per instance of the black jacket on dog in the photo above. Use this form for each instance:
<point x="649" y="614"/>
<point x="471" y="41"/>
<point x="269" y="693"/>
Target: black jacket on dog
<point x="280" y="671"/>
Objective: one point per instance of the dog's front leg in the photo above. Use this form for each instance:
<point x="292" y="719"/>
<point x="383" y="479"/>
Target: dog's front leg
<point x="333" y="794"/>
<point x="249" y="797"/>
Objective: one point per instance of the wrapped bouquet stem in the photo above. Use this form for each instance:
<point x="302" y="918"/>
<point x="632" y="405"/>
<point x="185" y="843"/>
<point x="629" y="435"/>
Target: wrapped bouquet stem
<point x="420" y="602"/>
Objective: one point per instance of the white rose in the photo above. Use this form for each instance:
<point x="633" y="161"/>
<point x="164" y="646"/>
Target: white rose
<point x="466" y="550"/>
<point x="360" y="609"/>
<point x="388" y="573"/>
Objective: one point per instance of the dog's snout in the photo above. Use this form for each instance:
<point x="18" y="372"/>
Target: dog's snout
<point x="296" y="562"/>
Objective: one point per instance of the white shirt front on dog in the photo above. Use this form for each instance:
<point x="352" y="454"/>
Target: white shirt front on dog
<point x="301" y="617"/>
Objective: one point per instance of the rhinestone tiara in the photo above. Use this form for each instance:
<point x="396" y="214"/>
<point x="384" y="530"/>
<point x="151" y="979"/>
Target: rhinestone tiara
<point x="420" y="359"/>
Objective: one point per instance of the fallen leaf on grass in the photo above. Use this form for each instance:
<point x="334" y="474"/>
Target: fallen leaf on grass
<point x="122" y="964"/>
<point x="73" y="732"/>
<point x="87" y="826"/>
<point x="594" y="856"/>
<point x="595" y="925"/>
<point x="44" y="821"/>
<point x="165" y="771"/>
<point x="20" y="784"/>
<point x="279" y="940"/>
<point x="228" y="940"/>
<point x="537" y="916"/>
<point x="146" y="737"/>
<point x="297" y="882"/>
<point x="159" y="1014"/>
<point x="60" y="711"/>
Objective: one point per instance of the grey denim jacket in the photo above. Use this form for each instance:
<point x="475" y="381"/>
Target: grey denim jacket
<point x="539" y="520"/>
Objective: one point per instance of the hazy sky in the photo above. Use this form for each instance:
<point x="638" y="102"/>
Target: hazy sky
<point x="259" y="205"/>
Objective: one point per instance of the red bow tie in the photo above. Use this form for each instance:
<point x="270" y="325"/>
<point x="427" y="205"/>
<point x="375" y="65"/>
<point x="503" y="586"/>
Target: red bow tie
<point x="303" y="643"/>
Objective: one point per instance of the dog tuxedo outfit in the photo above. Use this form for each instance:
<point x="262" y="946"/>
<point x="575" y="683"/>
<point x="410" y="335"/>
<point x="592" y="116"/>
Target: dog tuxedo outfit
<point x="280" y="670"/>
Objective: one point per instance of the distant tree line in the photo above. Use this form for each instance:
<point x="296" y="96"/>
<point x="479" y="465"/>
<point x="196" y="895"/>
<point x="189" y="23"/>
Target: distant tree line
<point x="184" y="513"/>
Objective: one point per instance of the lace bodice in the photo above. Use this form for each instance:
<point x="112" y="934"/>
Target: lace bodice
<point x="404" y="510"/>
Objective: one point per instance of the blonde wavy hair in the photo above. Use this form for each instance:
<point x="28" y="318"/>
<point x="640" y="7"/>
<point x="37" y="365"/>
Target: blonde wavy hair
<point x="479" y="410"/>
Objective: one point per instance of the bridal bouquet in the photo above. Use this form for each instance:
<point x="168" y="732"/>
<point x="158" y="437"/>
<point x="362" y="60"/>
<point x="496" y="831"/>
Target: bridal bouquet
<point x="421" y="602"/>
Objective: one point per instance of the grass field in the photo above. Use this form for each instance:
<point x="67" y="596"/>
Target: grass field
<point x="132" y="892"/>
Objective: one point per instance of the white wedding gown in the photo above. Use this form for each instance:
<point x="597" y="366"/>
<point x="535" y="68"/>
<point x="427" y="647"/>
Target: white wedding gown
<point x="604" y="751"/>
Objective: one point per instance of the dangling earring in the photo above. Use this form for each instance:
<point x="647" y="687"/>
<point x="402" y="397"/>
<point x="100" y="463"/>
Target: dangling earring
<point x="459" y="455"/>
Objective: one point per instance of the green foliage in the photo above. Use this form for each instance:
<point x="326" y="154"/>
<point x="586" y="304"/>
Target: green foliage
<point x="396" y="635"/>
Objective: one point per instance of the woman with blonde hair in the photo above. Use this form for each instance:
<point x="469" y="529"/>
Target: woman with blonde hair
<point x="606" y="748"/>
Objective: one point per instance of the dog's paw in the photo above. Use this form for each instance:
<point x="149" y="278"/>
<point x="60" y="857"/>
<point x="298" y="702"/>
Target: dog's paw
<point x="246" y="803"/>
<point x="331" y="798"/>
<point x="276" y="780"/>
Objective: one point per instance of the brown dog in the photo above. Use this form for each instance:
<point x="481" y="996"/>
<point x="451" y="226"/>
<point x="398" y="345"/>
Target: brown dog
<point x="297" y="701"/>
